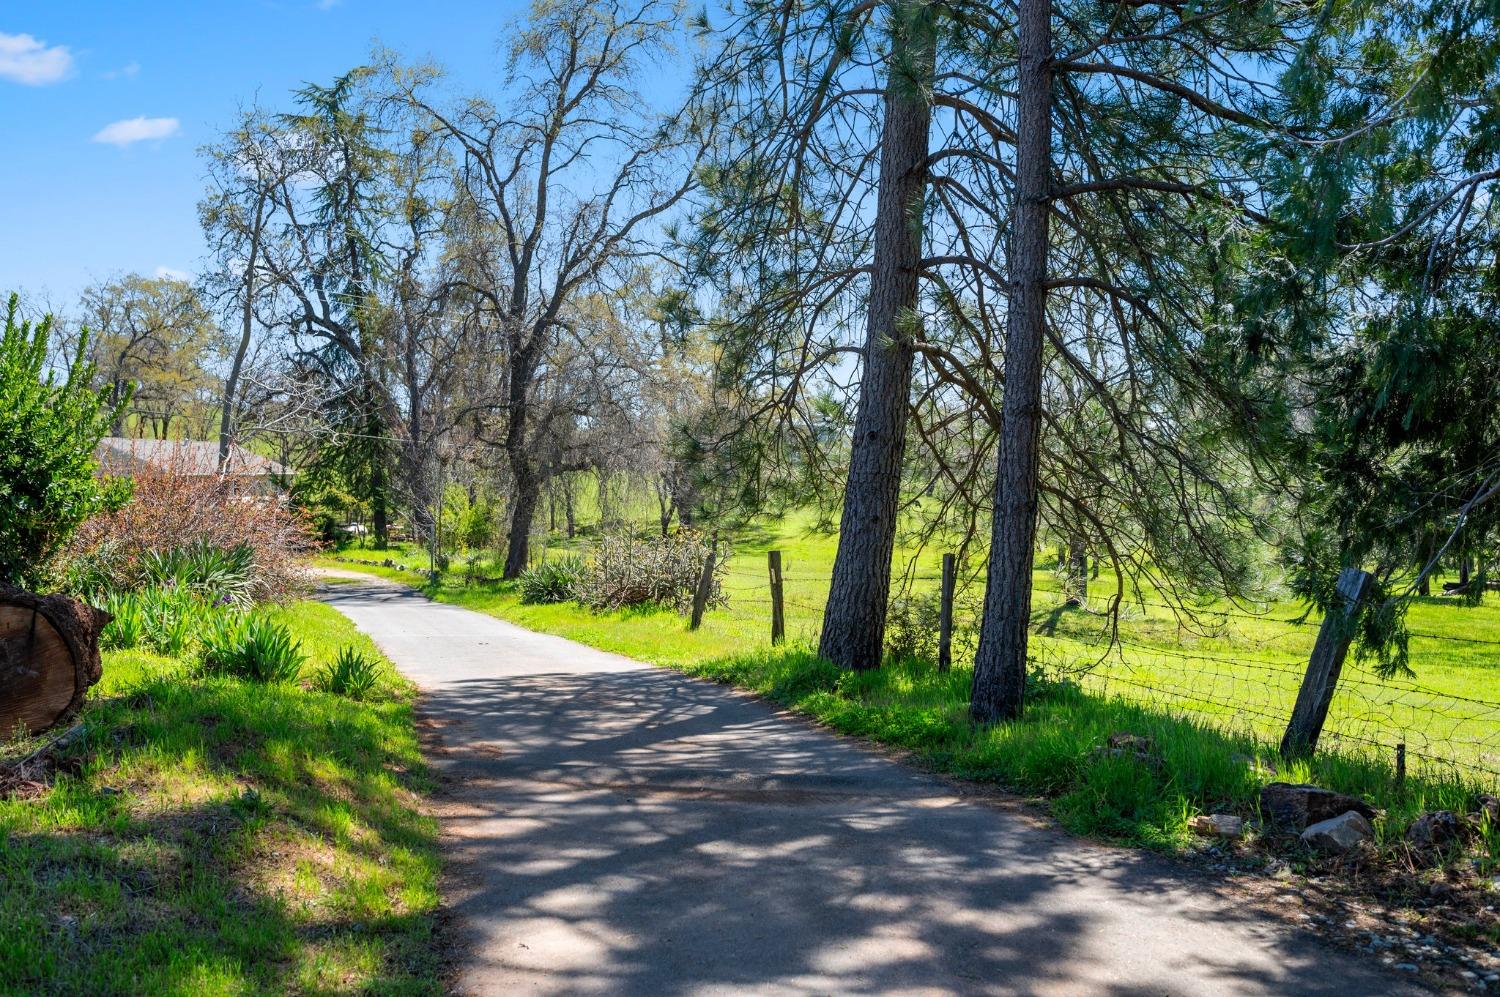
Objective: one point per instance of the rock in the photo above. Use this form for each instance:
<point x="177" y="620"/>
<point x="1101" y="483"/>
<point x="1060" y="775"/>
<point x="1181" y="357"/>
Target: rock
<point x="1337" y="835"/>
<point x="1278" y="869"/>
<point x="1130" y="746"/>
<point x="1141" y="757"/>
<point x="1434" y="830"/>
<point x="1254" y="764"/>
<point x="1487" y="806"/>
<point x="1295" y="806"/>
<point x="1131" y="742"/>
<point x="1218" y="825"/>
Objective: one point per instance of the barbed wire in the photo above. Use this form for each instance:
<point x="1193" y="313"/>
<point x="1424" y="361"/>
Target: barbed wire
<point x="1234" y="692"/>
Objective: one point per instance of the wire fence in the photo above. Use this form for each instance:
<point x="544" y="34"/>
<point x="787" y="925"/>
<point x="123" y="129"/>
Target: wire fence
<point x="1230" y="668"/>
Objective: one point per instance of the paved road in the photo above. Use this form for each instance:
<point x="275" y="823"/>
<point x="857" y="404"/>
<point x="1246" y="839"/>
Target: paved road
<point x="616" y="828"/>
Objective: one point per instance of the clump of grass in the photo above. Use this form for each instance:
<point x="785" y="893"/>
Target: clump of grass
<point x="351" y="673"/>
<point x="128" y="624"/>
<point x="257" y="649"/>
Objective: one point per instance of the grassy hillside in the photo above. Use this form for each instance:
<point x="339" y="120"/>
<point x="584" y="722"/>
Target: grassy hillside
<point x="216" y="836"/>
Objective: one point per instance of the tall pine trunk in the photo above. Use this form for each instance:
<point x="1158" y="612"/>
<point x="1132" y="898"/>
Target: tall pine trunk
<point x="854" y="619"/>
<point x="1000" y="664"/>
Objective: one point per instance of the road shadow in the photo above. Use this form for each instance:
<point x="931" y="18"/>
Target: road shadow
<point x="641" y="832"/>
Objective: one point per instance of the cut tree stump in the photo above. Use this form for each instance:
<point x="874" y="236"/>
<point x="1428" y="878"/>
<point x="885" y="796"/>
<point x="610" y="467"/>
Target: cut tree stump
<point x="49" y="656"/>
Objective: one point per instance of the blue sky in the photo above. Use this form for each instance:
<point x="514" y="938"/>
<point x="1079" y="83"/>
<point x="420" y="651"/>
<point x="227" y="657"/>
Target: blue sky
<point x="104" y="106"/>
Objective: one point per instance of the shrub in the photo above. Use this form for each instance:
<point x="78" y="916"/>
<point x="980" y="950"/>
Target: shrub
<point x="557" y="580"/>
<point x="351" y="674"/>
<point x="631" y="571"/>
<point x="203" y="530"/>
<point x="911" y="630"/>
<point x="48" y="434"/>
<point x="254" y="648"/>
<point x="167" y="620"/>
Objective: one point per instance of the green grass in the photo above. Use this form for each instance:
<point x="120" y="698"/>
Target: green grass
<point x="1208" y="686"/>
<point x="1224" y="664"/>
<point x="1053" y="752"/>
<point x="224" y="837"/>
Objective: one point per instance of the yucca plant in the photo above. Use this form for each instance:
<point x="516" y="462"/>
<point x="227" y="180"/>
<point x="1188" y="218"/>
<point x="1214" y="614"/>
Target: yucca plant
<point x="557" y="580"/>
<point x="351" y="673"/>
<point x="256" y="649"/>
<point x="225" y="575"/>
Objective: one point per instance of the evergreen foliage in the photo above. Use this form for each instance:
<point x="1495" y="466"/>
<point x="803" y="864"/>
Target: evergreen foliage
<point x="49" y="429"/>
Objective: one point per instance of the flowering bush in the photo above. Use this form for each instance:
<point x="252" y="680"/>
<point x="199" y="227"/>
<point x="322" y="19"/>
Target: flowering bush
<point x="626" y="570"/>
<point x="203" y="530"/>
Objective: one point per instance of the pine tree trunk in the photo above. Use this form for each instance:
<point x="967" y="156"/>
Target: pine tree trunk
<point x="854" y="619"/>
<point x="1000" y="664"/>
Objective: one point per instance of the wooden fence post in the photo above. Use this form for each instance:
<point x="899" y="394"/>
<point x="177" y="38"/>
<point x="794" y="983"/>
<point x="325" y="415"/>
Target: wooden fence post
<point x="705" y="587"/>
<point x="945" y="616"/>
<point x="778" y="617"/>
<point x="1323" y="667"/>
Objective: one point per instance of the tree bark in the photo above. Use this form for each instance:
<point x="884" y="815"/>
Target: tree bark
<point x="1000" y="663"/>
<point x="854" y="619"/>
<point x="49" y="657"/>
<point x="1078" y="567"/>
<point x="527" y="495"/>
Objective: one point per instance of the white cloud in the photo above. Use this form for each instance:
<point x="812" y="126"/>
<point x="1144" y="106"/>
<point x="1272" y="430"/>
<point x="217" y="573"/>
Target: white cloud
<point x="126" y="71"/>
<point x="24" y="59"/>
<point x="328" y="4"/>
<point x="173" y="273"/>
<point x="130" y="130"/>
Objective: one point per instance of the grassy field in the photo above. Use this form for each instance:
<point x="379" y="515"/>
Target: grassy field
<point x="215" y="836"/>
<point x="1214" y="688"/>
<point x="1234" y="666"/>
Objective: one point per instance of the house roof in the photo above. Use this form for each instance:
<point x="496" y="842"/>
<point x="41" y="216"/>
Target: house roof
<point x="118" y="454"/>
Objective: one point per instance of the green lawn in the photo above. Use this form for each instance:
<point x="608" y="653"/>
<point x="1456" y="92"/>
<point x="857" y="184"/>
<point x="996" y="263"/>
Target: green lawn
<point x="1208" y="686"/>
<point x="214" y="836"/>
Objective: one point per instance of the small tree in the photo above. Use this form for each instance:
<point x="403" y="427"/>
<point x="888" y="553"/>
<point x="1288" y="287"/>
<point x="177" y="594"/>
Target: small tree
<point x="48" y="433"/>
